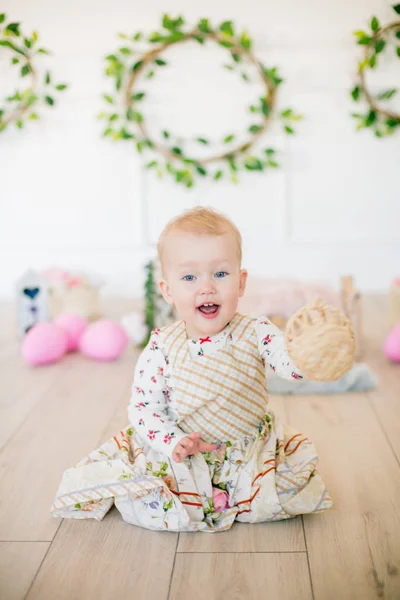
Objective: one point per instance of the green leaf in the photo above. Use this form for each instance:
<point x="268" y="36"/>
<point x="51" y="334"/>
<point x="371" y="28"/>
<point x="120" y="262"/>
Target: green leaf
<point x="138" y="96"/>
<point x="398" y="34"/>
<point x="289" y="129"/>
<point x="229" y="138"/>
<point x="9" y="44"/>
<point x="396" y="7"/>
<point x="125" y="135"/>
<point x="109" y="99"/>
<point x="202" y="140"/>
<point x="160" y="62"/>
<point x="253" y="164"/>
<point x="33" y="117"/>
<point x="371" y="118"/>
<point x="61" y="86"/>
<point x="372" y="61"/>
<point x="204" y="26"/>
<point x="236" y="57"/>
<point x="272" y="163"/>
<point x="19" y="124"/>
<point x="398" y="50"/>
<point x="139" y="147"/>
<point x="130" y="114"/>
<point x="245" y="41"/>
<point x="225" y="44"/>
<point x="218" y="175"/>
<point x="137" y="65"/>
<point x="138" y="36"/>
<point x="47" y="78"/>
<point x="255" y="128"/>
<point x="150" y="74"/>
<point x="125" y="51"/>
<point x="2" y="17"/>
<point x="152" y="164"/>
<point x="172" y="24"/>
<point x="25" y="70"/>
<point x="15" y="61"/>
<point x="31" y="100"/>
<point x="108" y="131"/>
<point x="232" y="163"/>
<point x="269" y="151"/>
<point x="374" y="24"/>
<point x="13" y="28"/>
<point x="227" y="27"/>
<point x="198" y="38"/>
<point x="253" y="109"/>
<point x="245" y="76"/>
<point x="177" y="151"/>
<point x="166" y="134"/>
<point x="201" y="170"/>
<point x="27" y="43"/>
<point x="355" y="92"/>
<point x="138" y="117"/>
<point x="379" y="46"/>
<point x="387" y="94"/>
<point x="123" y="36"/>
<point x="43" y="51"/>
<point x="364" y="41"/>
<point x="35" y="36"/>
<point x="286" y="114"/>
<point x="229" y="67"/>
<point x="392" y="123"/>
<point x="49" y="100"/>
<point x="113" y="117"/>
<point x="264" y="107"/>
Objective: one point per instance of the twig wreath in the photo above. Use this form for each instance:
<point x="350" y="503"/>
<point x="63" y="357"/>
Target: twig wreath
<point x="23" y="103"/>
<point x="382" y="120"/>
<point x="126" y="121"/>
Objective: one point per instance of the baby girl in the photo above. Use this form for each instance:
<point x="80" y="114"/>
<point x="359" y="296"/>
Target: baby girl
<point x="203" y="449"/>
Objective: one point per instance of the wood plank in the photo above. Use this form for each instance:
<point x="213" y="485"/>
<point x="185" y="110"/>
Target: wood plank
<point x="354" y="548"/>
<point x="253" y="576"/>
<point x="106" y="560"/>
<point x="19" y="563"/>
<point x="58" y="432"/>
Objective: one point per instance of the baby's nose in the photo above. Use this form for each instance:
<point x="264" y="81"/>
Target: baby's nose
<point x="208" y="288"/>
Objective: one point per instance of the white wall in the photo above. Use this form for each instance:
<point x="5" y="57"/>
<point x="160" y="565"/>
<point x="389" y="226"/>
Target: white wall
<point x="70" y="198"/>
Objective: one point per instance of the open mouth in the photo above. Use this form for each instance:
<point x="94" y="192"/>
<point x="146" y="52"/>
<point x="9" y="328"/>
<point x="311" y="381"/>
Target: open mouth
<point x="209" y="310"/>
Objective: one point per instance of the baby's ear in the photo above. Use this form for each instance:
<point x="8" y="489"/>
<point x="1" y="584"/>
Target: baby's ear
<point x="242" y="281"/>
<point x="165" y="290"/>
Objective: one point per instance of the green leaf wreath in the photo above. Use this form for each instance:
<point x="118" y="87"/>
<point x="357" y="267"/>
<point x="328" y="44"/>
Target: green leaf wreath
<point x="125" y="121"/>
<point x="23" y="103"/>
<point x="380" y="37"/>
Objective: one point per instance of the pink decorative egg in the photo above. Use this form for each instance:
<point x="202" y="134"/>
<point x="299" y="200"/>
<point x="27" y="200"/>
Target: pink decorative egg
<point x="44" y="344"/>
<point x="103" y="340"/>
<point x="391" y="347"/>
<point x="73" y="325"/>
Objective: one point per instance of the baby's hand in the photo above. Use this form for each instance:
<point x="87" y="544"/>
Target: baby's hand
<point x="190" y="445"/>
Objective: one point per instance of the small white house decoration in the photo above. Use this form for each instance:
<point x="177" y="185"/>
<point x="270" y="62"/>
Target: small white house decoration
<point x="32" y="301"/>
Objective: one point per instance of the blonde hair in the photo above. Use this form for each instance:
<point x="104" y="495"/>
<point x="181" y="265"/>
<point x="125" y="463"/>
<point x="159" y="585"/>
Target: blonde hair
<point x="203" y="221"/>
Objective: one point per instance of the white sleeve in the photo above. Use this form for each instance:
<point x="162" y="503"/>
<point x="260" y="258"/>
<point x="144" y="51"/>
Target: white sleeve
<point x="272" y="349"/>
<point x="148" y="407"/>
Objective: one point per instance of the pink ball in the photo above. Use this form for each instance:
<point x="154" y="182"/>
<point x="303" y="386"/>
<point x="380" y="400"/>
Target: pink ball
<point x="73" y="325"/>
<point x="103" y="340"/>
<point x="391" y="347"/>
<point x="44" y="344"/>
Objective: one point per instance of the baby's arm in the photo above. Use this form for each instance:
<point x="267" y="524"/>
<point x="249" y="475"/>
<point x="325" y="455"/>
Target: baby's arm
<point x="148" y="407"/>
<point x="272" y="348"/>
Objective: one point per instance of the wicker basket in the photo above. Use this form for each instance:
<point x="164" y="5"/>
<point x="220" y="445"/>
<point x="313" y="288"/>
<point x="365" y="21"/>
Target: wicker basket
<point x="321" y="341"/>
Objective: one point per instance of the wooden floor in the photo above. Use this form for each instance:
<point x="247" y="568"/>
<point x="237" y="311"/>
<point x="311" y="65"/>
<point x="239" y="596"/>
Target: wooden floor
<point x="52" y="416"/>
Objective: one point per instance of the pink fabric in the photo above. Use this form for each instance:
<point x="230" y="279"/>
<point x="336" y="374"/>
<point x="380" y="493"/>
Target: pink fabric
<point x="391" y="347"/>
<point x="282" y="296"/>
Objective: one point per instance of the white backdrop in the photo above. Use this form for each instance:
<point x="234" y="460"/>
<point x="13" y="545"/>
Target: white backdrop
<point x="70" y="198"/>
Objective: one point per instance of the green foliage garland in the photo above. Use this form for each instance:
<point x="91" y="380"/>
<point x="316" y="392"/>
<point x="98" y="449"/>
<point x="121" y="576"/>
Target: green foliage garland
<point x="378" y="118"/>
<point x="125" y="120"/>
<point x="23" y="103"/>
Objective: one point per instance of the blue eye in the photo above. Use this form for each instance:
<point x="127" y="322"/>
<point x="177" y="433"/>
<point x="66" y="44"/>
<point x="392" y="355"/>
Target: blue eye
<point x="189" y="278"/>
<point x="221" y="274"/>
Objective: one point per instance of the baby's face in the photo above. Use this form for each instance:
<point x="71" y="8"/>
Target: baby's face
<point x="203" y="280"/>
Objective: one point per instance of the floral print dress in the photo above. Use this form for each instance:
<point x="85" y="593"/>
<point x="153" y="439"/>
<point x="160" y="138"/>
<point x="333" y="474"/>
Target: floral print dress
<point x="266" y="472"/>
